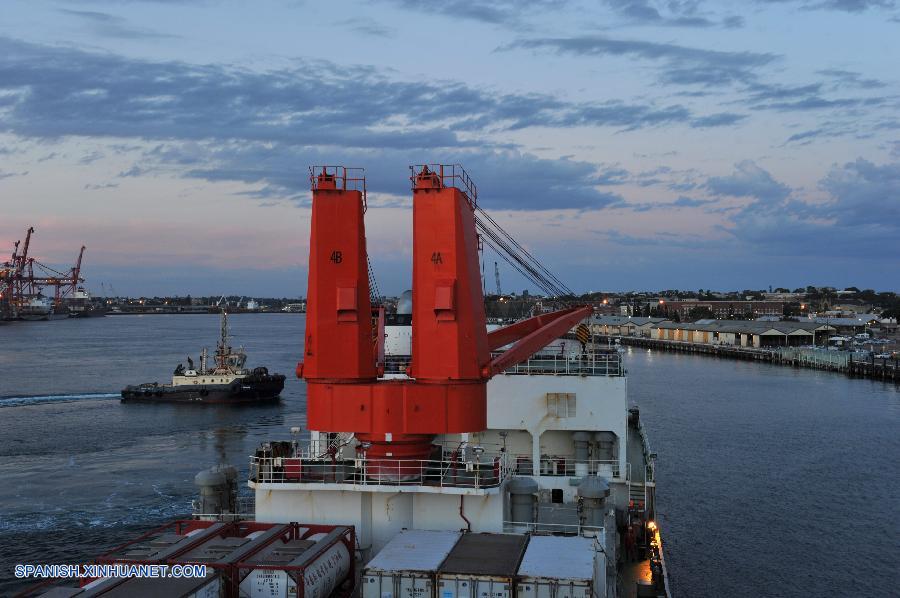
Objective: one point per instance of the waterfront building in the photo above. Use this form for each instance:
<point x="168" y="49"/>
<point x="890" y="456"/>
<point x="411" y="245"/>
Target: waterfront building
<point x="623" y="325"/>
<point x="744" y="333"/>
<point x="724" y="309"/>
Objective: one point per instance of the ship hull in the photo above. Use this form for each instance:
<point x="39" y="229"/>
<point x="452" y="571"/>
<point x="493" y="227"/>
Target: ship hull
<point x="35" y="316"/>
<point x="89" y="312"/>
<point x="241" y="392"/>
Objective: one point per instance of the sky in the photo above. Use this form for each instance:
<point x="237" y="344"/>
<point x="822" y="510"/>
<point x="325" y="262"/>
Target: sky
<point x="629" y="144"/>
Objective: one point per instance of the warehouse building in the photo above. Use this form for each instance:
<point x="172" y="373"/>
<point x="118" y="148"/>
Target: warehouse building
<point x="623" y="325"/>
<point x="744" y="333"/>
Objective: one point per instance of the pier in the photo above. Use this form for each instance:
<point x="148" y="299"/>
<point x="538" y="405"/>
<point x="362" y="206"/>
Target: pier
<point x="801" y="357"/>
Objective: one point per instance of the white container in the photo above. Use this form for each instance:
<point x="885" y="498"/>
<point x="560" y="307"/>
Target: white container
<point x="322" y="575"/>
<point x="406" y="566"/>
<point x="557" y="567"/>
<point x="481" y="566"/>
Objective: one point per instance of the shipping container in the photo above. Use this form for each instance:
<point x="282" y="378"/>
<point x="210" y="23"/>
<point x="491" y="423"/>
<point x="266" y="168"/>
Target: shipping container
<point x="198" y="587"/>
<point x="557" y="567"/>
<point x="269" y="558"/>
<point x="261" y="582"/>
<point x="481" y="566"/>
<point x="158" y="545"/>
<point x="406" y="567"/>
<point x="314" y="564"/>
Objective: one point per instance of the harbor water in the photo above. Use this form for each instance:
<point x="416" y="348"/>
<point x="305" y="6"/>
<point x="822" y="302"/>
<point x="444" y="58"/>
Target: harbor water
<point x="772" y="481"/>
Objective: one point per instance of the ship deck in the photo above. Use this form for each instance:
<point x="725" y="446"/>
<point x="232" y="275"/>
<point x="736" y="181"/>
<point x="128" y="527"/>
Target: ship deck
<point x="633" y="574"/>
<point x="634" y="454"/>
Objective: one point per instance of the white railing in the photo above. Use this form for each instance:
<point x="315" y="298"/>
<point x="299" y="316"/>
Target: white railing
<point x="396" y="364"/>
<point x="586" y="364"/>
<point x="568" y="466"/>
<point x="555" y="528"/>
<point x="244" y="508"/>
<point x="487" y="471"/>
<point x="346" y="447"/>
<point x="565" y="465"/>
<point x="649" y="456"/>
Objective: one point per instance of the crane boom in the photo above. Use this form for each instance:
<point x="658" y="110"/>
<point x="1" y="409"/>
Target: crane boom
<point x="76" y="271"/>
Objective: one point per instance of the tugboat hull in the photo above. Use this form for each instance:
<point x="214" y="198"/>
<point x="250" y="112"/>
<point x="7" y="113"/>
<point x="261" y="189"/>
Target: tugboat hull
<point x="240" y="392"/>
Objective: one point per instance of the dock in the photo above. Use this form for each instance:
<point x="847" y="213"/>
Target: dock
<point x="799" y="357"/>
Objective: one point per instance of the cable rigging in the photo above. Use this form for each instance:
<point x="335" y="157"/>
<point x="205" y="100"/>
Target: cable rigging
<point x="514" y="254"/>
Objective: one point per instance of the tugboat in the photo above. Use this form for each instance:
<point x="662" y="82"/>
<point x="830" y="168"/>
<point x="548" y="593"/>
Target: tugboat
<point x="228" y="382"/>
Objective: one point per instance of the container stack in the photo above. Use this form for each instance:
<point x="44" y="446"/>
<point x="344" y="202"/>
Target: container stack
<point x="558" y="567"/>
<point x="482" y="565"/>
<point x="407" y="565"/>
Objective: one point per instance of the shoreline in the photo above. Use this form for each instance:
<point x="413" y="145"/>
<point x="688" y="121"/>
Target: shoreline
<point x="887" y="370"/>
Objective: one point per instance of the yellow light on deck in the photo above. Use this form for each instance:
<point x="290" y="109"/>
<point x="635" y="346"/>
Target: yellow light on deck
<point x="651" y="525"/>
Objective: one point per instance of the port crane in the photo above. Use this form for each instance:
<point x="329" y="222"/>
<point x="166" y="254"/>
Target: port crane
<point x="23" y="277"/>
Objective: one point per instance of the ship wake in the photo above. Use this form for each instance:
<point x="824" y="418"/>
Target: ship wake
<point x="19" y="401"/>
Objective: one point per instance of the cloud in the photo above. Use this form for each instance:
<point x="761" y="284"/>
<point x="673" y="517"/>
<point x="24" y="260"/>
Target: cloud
<point x="663" y="206"/>
<point x="851" y="6"/>
<point x="368" y="26"/>
<point x="663" y="176"/>
<point x="690" y="202"/>
<point x="222" y="123"/>
<point x="749" y="180"/>
<point x="667" y="14"/>
<point x="842" y="78"/>
<point x="718" y="120"/>
<point x="859" y="220"/>
<point x="7" y="175"/>
<point x="509" y="13"/>
<point x="863" y="193"/>
<point x="107" y="25"/>
<point x="100" y="186"/>
<point x="682" y="65"/>
<point x="613" y="176"/>
<point x="61" y="91"/>
<point x="506" y="180"/>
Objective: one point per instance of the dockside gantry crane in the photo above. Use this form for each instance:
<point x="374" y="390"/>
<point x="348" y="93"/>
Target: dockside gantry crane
<point x="19" y="282"/>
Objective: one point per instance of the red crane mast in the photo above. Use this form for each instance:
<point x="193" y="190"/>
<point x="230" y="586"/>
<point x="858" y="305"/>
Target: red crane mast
<point x="451" y="349"/>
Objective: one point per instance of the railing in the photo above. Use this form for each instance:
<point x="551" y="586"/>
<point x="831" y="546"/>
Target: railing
<point x="346" y="178"/>
<point x="649" y="456"/>
<point x="568" y="466"/>
<point x="450" y="175"/>
<point x="244" y="509"/>
<point x="591" y="364"/>
<point x="396" y="364"/>
<point x="487" y="471"/>
<point x="588" y="364"/>
<point x="554" y="528"/>
<point x="344" y="447"/>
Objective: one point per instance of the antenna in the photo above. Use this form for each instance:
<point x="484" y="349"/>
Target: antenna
<point x="497" y="278"/>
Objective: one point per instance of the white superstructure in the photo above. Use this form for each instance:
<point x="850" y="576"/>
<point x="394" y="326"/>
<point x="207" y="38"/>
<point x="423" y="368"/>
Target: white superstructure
<point x="562" y="456"/>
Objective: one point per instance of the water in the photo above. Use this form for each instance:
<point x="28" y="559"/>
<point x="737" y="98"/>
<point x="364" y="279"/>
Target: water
<point x="772" y="481"/>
